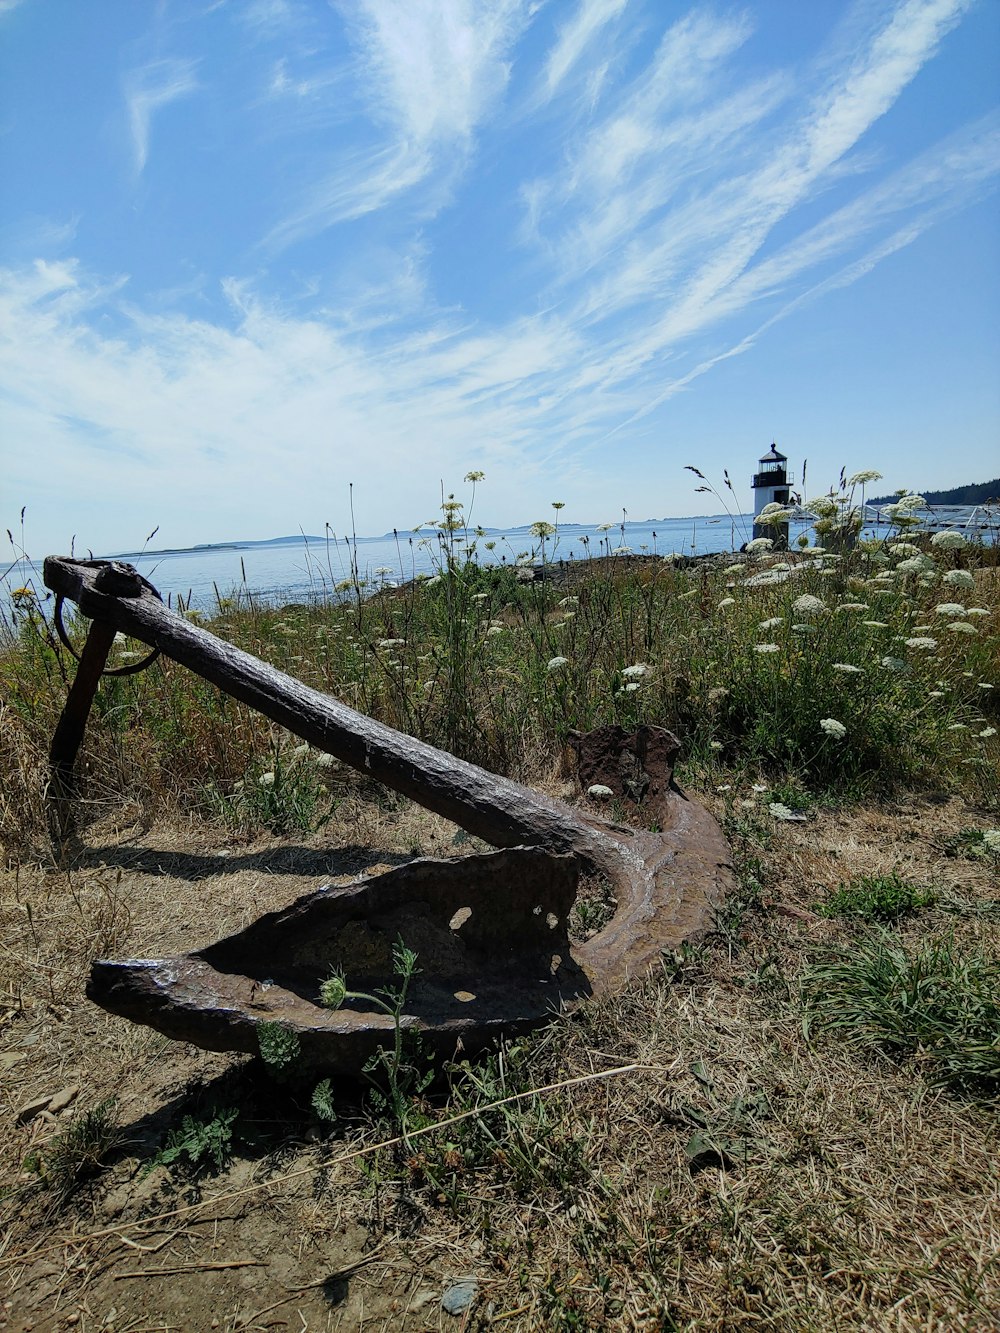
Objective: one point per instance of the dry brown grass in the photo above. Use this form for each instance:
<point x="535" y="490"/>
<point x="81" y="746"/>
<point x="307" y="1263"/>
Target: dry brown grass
<point x="829" y="1191"/>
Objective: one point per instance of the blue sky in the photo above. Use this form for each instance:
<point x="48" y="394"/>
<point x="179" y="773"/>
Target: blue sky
<point x="255" y="250"/>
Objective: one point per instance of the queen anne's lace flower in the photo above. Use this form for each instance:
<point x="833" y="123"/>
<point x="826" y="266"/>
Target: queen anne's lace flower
<point x="773" y="623"/>
<point x="948" y="541"/>
<point x="766" y="648"/>
<point x="635" y="672"/>
<point x="915" y="564"/>
<point x="808" y="605"/>
<point x="557" y="663"/>
<point x="847" y="669"/>
<point x="833" y="728"/>
<point x="599" y="792"/>
<point x="961" y="627"/>
<point x="782" y="812"/>
<point x="758" y="544"/>
<point x="921" y="643"/>
<point x="950" y="609"/>
<point x="959" y="578"/>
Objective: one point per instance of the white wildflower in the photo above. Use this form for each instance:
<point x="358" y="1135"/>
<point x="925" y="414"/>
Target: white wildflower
<point x="864" y="477"/>
<point x="948" y="541"/>
<point x="635" y="672"/>
<point x="630" y="687"/>
<point x="950" y="609"/>
<point x="391" y="643"/>
<point x="977" y="611"/>
<point x="958" y="726"/>
<point x="727" y="601"/>
<point x="808" y="605"/>
<point x="991" y="837"/>
<point x="875" y="624"/>
<point x="480" y="596"/>
<point x="959" y="578"/>
<point x="833" y="728"/>
<point x="557" y="663"/>
<point x="987" y="731"/>
<point x="905" y="548"/>
<point x="715" y="745"/>
<point x="804" y="629"/>
<point x="720" y="692"/>
<point x="961" y="627"/>
<point x="893" y="664"/>
<point x="599" y="792"/>
<point x="936" y="694"/>
<point x="569" y="601"/>
<point x="921" y="643"/>
<point x="782" y="812"/>
<point x="915" y="564"/>
<point x="495" y="629"/>
<point x="766" y="648"/>
<point x="773" y="623"/>
<point x="853" y="606"/>
<point x="984" y="685"/>
<point x="300" y="751"/>
<point x="846" y="669"/>
<point x="324" y="760"/>
<point x="266" y="780"/>
<point x="758" y="544"/>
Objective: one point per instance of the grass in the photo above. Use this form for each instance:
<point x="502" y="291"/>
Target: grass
<point x="823" y="673"/>
<point x="936" y="1002"/>
<point x="885" y="898"/>
<point x="789" y="1124"/>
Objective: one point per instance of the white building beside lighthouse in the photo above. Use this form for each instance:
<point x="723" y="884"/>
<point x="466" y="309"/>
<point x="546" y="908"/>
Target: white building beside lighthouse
<point x="771" y="485"/>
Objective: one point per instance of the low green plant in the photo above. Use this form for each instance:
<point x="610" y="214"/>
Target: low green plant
<point x="200" y="1145"/>
<point x="78" y="1152"/>
<point x="279" y="1047"/>
<point x="974" y="844"/>
<point x="396" y="1075"/>
<point x="883" y="898"/>
<point x="936" y="1003"/>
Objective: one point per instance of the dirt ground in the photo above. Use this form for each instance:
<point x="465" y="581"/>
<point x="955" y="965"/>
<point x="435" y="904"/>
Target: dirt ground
<point x="293" y="1234"/>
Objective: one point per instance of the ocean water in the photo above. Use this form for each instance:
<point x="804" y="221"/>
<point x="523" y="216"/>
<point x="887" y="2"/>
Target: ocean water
<point x="299" y="569"/>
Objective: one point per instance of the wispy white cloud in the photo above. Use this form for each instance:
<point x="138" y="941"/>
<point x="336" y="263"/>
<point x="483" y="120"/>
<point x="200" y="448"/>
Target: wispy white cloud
<point x="575" y="37"/>
<point x="430" y="70"/>
<point x="148" y="89"/>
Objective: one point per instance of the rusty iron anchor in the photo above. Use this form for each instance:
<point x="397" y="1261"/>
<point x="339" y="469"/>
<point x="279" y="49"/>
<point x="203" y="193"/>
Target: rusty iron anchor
<point x="491" y="930"/>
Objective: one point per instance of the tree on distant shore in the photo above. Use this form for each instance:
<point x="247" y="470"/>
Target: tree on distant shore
<point x="976" y="493"/>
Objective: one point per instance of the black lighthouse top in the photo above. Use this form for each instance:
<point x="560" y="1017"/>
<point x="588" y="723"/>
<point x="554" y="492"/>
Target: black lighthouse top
<point x="772" y="469"/>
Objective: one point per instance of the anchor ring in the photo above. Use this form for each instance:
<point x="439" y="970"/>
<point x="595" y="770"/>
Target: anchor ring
<point x="133" y="667"/>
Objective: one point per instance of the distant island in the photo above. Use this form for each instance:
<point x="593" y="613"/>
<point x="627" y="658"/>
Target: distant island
<point x="976" y="493"/>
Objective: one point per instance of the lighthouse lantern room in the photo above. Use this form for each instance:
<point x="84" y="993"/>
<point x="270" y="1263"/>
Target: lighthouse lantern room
<point x="771" y="485"/>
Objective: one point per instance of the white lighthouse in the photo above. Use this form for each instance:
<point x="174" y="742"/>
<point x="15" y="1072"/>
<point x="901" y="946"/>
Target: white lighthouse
<point x="771" y="485"/>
